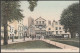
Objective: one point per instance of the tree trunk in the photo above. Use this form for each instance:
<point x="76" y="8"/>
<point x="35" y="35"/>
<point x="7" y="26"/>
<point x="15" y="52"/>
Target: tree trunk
<point x="5" y="32"/>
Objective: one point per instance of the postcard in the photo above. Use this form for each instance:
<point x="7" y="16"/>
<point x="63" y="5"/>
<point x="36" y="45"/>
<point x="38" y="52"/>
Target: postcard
<point x="40" y="26"/>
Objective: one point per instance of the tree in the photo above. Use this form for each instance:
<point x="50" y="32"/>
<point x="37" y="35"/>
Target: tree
<point x="33" y="4"/>
<point x="9" y="12"/>
<point x="70" y="19"/>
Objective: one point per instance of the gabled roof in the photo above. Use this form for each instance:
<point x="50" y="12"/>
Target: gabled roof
<point x="40" y="18"/>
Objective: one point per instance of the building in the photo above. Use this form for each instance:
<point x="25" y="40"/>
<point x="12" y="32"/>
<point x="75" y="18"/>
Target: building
<point x="49" y="29"/>
<point x="31" y="31"/>
<point x="40" y="27"/>
<point x="15" y="28"/>
<point x="31" y="27"/>
<point x="2" y="32"/>
<point x="11" y="31"/>
<point x="20" y="29"/>
<point x="25" y="30"/>
<point x="30" y="21"/>
<point x="59" y="31"/>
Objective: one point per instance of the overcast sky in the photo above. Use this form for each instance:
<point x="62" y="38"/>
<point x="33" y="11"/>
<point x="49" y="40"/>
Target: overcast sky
<point x="49" y="10"/>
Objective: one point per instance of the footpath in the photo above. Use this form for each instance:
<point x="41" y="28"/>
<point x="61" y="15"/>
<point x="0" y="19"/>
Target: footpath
<point x="61" y="45"/>
<point x="17" y="40"/>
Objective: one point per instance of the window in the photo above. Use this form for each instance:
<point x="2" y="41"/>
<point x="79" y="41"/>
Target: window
<point x="42" y="22"/>
<point x="12" y="30"/>
<point x="60" y="28"/>
<point x="49" y="29"/>
<point x="65" y="31"/>
<point x="56" y="32"/>
<point x="56" y="28"/>
<point x="36" y="22"/>
<point x="60" y="32"/>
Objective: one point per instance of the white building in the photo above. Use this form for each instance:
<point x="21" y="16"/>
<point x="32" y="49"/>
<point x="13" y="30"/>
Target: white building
<point x="58" y="30"/>
<point x="54" y="29"/>
<point x="16" y="28"/>
<point x="49" y="29"/>
<point x="40" y="27"/>
<point x="20" y="29"/>
<point x="2" y="32"/>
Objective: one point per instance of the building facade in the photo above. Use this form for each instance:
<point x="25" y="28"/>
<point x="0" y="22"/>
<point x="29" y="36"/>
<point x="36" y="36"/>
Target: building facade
<point x="31" y="27"/>
<point x="15" y="29"/>
<point x="40" y="27"/>
<point x="20" y="29"/>
<point x="53" y="29"/>
<point x="30" y="21"/>
<point x="49" y="29"/>
<point x="31" y="31"/>
<point x="59" y="30"/>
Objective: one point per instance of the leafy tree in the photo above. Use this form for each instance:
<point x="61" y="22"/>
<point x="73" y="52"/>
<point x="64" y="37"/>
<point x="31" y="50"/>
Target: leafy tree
<point x="33" y="4"/>
<point x="70" y="18"/>
<point x="9" y="12"/>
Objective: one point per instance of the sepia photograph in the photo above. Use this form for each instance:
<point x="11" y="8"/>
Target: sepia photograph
<point x="40" y="26"/>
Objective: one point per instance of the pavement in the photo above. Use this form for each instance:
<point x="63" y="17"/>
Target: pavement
<point x="17" y="40"/>
<point x="61" y="45"/>
<point x="65" y="47"/>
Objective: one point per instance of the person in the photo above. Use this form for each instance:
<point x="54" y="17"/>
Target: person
<point x="12" y="37"/>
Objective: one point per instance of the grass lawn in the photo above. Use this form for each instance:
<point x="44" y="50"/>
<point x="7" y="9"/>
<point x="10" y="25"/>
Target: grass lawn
<point x="29" y="44"/>
<point x="76" y="44"/>
<point x="72" y="39"/>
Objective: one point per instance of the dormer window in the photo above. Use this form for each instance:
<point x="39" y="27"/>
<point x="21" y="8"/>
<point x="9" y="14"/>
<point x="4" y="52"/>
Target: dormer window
<point x="56" y="23"/>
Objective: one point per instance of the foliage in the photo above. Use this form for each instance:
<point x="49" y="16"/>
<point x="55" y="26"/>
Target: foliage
<point x="33" y="4"/>
<point x="10" y="11"/>
<point x="70" y="18"/>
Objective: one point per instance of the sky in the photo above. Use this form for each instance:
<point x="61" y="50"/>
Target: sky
<point x="49" y="10"/>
